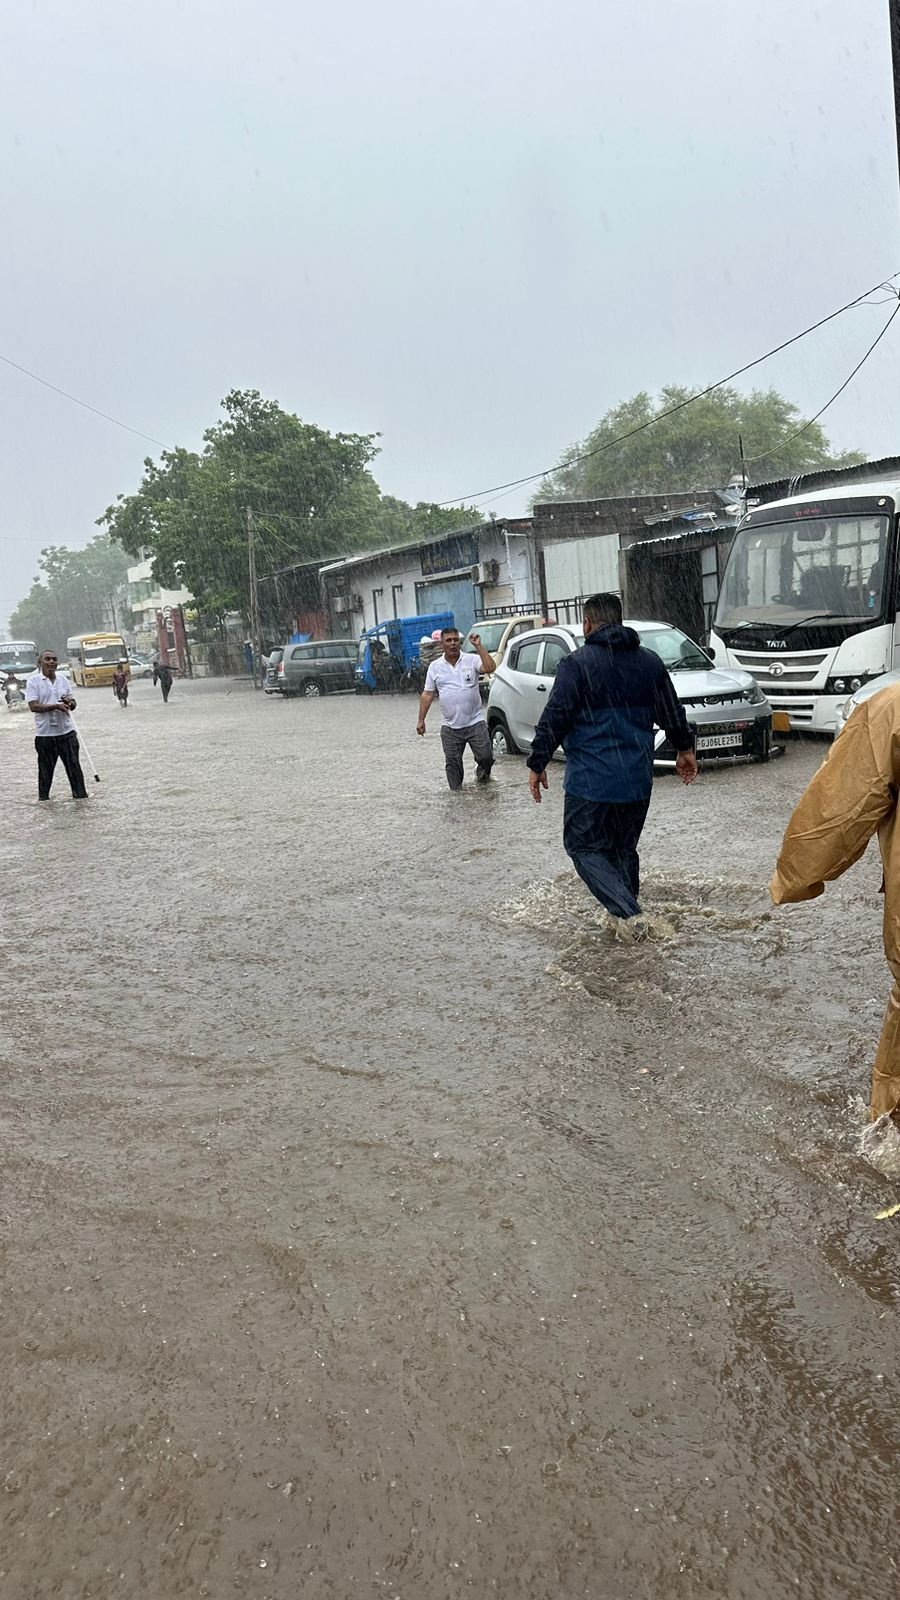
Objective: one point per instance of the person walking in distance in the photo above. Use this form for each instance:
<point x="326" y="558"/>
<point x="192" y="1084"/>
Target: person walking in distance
<point x="453" y="679"/>
<point x="120" y="685"/>
<point x="605" y="703"/>
<point x="50" y="698"/>
<point x="162" y="673"/>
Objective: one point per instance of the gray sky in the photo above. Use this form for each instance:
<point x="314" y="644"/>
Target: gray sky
<point x="472" y="227"/>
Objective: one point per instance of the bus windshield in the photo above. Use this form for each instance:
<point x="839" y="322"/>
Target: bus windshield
<point x="18" y="655"/>
<point x="100" y="655"/>
<point x="785" y="572"/>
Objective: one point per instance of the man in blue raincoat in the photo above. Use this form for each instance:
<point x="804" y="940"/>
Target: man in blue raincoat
<point x="606" y="703"/>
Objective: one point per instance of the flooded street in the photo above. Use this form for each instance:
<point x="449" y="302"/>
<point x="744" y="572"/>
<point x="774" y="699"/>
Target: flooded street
<point x="372" y="1224"/>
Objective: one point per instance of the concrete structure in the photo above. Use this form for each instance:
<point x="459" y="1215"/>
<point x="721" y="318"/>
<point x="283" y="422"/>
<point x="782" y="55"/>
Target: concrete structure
<point x="146" y="598"/>
<point x="672" y="570"/>
<point x="490" y="564"/>
<point x="577" y="542"/>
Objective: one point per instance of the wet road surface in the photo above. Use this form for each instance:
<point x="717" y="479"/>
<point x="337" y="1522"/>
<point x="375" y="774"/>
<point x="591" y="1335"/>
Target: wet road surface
<point x="372" y="1224"/>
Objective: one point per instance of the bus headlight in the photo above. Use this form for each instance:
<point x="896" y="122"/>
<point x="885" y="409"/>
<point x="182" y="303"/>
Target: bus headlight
<point x="850" y="685"/>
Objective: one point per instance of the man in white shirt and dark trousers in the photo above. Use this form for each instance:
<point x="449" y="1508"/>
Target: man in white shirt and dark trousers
<point x="50" y="698"/>
<point x="453" y="680"/>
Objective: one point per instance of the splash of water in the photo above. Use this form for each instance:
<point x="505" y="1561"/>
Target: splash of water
<point x="879" y="1145"/>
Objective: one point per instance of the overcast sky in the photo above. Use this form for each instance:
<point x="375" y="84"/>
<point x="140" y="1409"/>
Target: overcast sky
<point x="472" y="227"/>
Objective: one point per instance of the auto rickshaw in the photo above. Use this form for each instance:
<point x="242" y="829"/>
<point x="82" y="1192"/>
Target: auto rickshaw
<point x="389" y="660"/>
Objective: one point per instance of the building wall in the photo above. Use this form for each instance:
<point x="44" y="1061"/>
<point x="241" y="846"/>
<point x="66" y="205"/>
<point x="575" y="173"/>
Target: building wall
<point x="581" y="566"/>
<point x="145" y="597"/>
<point x="405" y="589"/>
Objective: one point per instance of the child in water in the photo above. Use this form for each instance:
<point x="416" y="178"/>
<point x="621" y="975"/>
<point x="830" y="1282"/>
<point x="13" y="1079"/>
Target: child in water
<point x="120" y="685"/>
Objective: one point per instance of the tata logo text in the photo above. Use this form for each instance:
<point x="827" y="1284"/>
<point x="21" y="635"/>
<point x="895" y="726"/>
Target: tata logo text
<point x="776" y="644"/>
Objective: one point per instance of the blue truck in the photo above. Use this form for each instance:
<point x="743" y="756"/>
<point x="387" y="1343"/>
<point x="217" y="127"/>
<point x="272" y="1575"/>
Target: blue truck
<point x="388" y="657"/>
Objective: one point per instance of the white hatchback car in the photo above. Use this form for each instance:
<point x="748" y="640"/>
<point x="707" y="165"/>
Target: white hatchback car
<point x="727" y="709"/>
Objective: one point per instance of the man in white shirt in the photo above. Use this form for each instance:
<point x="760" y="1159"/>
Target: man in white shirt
<point x="453" y="680"/>
<point x="50" y="698"/>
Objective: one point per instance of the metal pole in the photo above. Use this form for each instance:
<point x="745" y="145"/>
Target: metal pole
<point x="255" y="639"/>
<point x="894" y="15"/>
<point x="187" y="648"/>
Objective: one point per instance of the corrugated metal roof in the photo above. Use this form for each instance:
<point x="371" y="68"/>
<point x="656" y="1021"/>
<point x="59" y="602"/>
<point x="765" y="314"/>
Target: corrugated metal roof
<point x="685" y="533"/>
<point x="375" y="555"/>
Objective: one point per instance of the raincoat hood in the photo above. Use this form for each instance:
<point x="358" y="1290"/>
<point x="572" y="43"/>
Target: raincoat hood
<point x="613" y="636"/>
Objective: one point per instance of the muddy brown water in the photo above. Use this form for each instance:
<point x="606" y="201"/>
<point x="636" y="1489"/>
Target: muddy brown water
<point x="371" y="1224"/>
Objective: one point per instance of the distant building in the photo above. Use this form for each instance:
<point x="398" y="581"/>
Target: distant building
<point x="489" y="565"/>
<point x="146" y="598"/>
<point x="664" y="553"/>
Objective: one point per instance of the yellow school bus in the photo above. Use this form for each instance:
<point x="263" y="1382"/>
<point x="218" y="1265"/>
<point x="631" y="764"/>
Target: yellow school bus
<point x="94" y="657"/>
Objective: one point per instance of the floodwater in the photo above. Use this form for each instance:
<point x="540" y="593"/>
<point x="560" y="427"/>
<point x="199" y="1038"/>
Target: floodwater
<point x="372" y="1224"/>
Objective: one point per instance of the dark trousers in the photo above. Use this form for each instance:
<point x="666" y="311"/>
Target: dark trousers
<point x="454" y="741"/>
<point x="602" y="840"/>
<point x="61" y="747"/>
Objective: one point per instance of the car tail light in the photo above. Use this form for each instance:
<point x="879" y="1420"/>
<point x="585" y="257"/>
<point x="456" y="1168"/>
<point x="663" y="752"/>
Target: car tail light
<point x="281" y="669"/>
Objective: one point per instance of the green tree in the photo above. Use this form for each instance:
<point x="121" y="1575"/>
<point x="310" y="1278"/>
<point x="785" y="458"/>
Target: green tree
<point x="697" y="448"/>
<point x="77" y="590"/>
<point x="400" y="523"/>
<point x="310" y="491"/>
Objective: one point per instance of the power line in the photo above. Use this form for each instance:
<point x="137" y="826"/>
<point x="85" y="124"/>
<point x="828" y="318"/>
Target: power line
<point x="610" y="444"/>
<point x="751" y="462"/>
<point x="83" y="403"/>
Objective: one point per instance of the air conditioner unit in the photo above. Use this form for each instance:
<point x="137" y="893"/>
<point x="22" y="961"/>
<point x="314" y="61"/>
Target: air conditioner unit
<point x="339" y="603"/>
<point x="486" y="572"/>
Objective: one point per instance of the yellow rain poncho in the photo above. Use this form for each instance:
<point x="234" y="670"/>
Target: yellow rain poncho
<point x="852" y="796"/>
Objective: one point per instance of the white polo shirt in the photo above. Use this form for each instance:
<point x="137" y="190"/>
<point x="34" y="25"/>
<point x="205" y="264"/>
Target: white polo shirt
<point x="51" y="723"/>
<point x="457" y="689"/>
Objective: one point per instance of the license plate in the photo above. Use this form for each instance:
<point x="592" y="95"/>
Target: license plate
<point x="720" y="741"/>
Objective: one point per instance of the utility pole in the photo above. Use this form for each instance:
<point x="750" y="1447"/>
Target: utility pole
<point x="894" y="15"/>
<point x="255" y="639"/>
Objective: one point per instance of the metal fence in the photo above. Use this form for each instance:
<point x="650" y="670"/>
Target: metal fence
<point x="556" y="610"/>
<point x="571" y="611"/>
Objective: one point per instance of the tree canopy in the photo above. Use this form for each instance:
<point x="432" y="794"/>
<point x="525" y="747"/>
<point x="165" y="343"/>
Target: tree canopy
<point x="311" y="494"/>
<point x="697" y="448"/>
<point x="77" y="590"/>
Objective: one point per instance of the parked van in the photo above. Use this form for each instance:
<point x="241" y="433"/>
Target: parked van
<point x="273" y="661"/>
<point x="495" y="634"/>
<point x="323" y="666"/>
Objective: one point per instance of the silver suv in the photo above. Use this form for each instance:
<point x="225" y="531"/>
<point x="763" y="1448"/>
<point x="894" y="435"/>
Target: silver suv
<point x="320" y="667"/>
<point x="728" y="711"/>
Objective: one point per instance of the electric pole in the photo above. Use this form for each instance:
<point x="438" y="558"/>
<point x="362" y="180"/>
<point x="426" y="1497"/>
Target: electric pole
<point x="894" y="15"/>
<point x="255" y="640"/>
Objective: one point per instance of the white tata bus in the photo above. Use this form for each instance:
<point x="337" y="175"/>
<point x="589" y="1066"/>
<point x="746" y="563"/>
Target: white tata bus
<point x="809" y="597"/>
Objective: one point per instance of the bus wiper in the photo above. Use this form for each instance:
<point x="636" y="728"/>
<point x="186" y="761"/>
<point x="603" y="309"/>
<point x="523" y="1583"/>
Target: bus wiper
<point x="782" y="629"/>
<point x="817" y="616"/>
